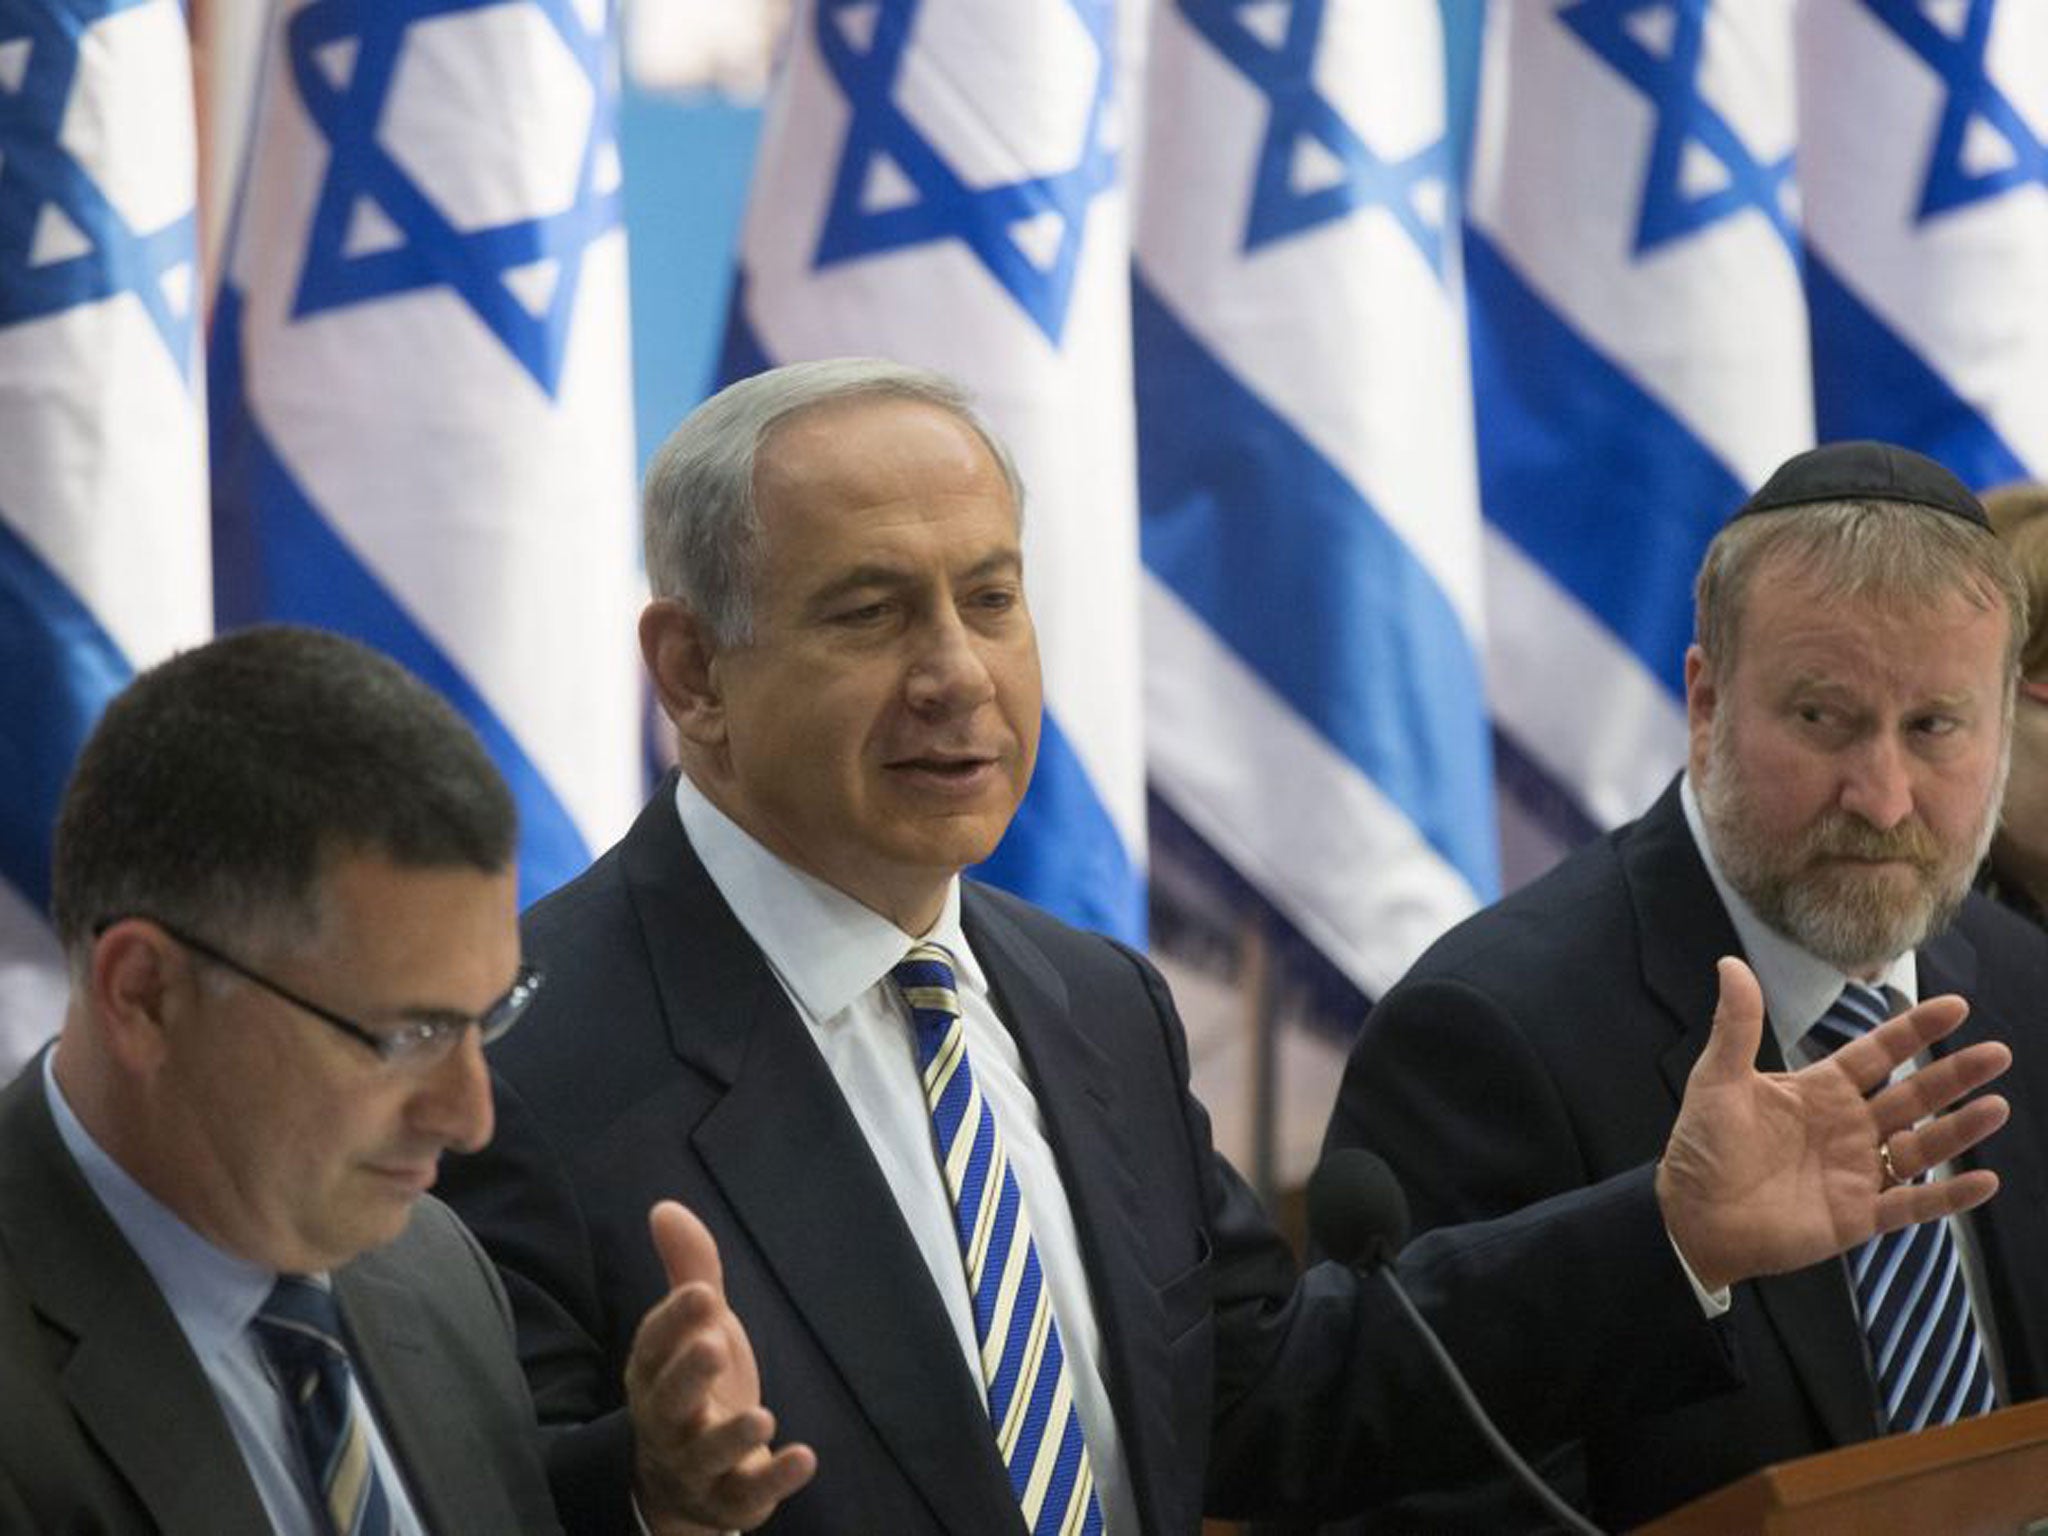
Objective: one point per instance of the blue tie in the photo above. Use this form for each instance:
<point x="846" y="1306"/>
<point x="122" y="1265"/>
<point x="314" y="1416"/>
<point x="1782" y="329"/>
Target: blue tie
<point x="300" y="1330"/>
<point x="1909" y="1284"/>
<point x="1030" y="1399"/>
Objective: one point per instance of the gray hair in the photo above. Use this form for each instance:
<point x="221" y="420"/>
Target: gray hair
<point x="699" y="524"/>
<point x="1887" y="550"/>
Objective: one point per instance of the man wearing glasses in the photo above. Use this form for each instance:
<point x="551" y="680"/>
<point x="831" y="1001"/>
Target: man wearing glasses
<point x="284" y="877"/>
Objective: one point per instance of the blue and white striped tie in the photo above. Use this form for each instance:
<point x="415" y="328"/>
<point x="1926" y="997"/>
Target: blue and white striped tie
<point x="1909" y="1284"/>
<point x="300" y="1330"/>
<point x="1030" y="1399"/>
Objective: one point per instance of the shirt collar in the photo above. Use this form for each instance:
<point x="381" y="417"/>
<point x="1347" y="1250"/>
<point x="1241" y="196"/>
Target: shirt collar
<point x="826" y="948"/>
<point x="212" y="1293"/>
<point x="1798" y="986"/>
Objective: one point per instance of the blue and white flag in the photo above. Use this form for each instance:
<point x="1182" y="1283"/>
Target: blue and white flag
<point x="1314" y="694"/>
<point x="422" y="421"/>
<point x="1924" y="157"/>
<point x="940" y="182"/>
<point x="103" y="549"/>
<point x="1640" y="360"/>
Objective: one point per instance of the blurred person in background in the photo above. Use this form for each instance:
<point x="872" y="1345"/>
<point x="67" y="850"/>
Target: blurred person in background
<point x="2016" y="873"/>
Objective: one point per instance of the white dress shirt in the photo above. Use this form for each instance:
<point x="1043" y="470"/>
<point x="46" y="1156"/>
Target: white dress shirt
<point x="1798" y="988"/>
<point x="215" y="1297"/>
<point x="833" y="956"/>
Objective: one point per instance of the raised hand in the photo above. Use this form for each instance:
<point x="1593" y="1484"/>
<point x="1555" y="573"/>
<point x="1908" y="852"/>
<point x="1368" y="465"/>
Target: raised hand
<point x="701" y="1437"/>
<point x="1767" y="1172"/>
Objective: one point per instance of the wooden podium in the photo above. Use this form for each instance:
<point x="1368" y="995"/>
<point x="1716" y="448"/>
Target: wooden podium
<point x="1983" y="1477"/>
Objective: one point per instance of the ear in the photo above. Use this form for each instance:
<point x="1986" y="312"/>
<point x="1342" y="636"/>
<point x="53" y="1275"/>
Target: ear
<point x="1702" y="699"/>
<point x="681" y="653"/>
<point x="137" y="976"/>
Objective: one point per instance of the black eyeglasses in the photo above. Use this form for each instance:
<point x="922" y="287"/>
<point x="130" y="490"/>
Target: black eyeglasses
<point x="414" y="1041"/>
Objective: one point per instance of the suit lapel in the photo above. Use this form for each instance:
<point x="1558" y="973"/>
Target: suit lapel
<point x="2009" y="1229"/>
<point x="790" y="1159"/>
<point x="415" y="1396"/>
<point x="1685" y="929"/>
<point x="170" y="1441"/>
<point x="1077" y="1096"/>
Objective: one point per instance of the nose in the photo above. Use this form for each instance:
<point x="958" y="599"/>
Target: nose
<point x="948" y="675"/>
<point x="454" y="1100"/>
<point x="1877" y="785"/>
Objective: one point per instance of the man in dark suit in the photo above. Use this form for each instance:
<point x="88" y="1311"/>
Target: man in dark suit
<point x="283" y="874"/>
<point x="1849" y="699"/>
<point x="914" y="1111"/>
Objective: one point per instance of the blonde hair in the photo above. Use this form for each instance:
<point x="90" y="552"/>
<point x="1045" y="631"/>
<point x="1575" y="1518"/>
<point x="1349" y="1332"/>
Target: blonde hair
<point x="1890" y="550"/>
<point x="2019" y="516"/>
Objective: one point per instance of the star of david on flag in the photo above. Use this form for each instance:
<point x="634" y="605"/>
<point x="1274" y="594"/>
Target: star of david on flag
<point x="394" y="216"/>
<point x="1314" y="166"/>
<point x="1984" y="145"/>
<point x="1927" y="259"/>
<point x="80" y="219"/>
<point x="897" y="186"/>
<point x="1701" y="169"/>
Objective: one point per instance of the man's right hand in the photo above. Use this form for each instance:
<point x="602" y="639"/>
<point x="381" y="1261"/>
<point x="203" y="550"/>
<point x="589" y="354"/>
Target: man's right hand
<point x="701" y="1457"/>
<point x="1770" y="1171"/>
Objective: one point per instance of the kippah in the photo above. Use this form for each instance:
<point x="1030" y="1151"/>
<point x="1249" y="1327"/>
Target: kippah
<point x="1865" y="471"/>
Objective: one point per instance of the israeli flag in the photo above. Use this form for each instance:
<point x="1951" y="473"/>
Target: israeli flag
<point x="103" y="548"/>
<point x="1313" y="604"/>
<point x="941" y="182"/>
<point x="1927" y="226"/>
<point x="421" y="407"/>
<point x="1640" y="360"/>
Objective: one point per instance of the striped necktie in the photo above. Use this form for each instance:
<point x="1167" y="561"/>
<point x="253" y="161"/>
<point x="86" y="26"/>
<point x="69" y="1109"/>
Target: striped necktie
<point x="300" y="1330"/>
<point x="1030" y="1399"/>
<point x="1910" y="1294"/>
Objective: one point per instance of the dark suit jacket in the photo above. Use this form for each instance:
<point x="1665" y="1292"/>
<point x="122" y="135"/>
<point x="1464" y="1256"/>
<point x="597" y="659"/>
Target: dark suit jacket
<point x="1543" y="1044"/>
<point x="663" y="1059"/>
<point x="108" y="1424"/>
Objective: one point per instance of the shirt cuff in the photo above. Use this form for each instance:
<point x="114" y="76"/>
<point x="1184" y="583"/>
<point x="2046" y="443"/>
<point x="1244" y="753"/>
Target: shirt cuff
<point x="1713" y="1304"/>
<point x="640" y="1520"/>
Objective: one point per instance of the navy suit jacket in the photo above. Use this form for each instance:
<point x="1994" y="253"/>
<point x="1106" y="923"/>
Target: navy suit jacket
<point x="663" y="1060"/>
<point x="1544" y="1044"/>
<point x="109" y="1426"/>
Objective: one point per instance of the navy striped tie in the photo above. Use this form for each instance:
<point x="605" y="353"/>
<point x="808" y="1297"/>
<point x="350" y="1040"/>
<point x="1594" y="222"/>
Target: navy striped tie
<point x="1023" y="1366"/>
<point x="1909" y="1284"/>
<point x="300" y="1330"/>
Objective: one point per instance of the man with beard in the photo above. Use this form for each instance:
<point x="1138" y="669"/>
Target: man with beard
<point x="1849" y="702"/>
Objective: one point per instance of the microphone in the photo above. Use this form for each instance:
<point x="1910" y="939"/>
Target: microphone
<point x="1359" y="1216"/>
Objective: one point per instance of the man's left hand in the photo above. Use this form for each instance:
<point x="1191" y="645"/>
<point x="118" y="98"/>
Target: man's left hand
<point x="701" y="1456"/>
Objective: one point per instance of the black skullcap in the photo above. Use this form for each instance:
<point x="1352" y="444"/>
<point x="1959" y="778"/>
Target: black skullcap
<point x="1865" y="471"/>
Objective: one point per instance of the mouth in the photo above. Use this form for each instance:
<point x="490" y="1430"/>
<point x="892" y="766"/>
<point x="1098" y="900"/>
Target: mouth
<point x="946" y="770"/>
<point x="1886" y="869"/>
<point x="413" y="1178"/>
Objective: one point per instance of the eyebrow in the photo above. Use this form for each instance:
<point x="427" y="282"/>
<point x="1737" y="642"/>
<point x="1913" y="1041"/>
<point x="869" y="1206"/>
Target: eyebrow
<point x="1812" y="683"/>
<point x="877" y="574"/>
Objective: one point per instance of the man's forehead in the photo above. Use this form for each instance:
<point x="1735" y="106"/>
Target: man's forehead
<point x="848" y="435"/>
<point x="1790" y="593"/>
<point x="828" y="486"/>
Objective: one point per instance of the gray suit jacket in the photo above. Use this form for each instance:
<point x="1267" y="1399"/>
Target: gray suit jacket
<point x="108" y="1424"/>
